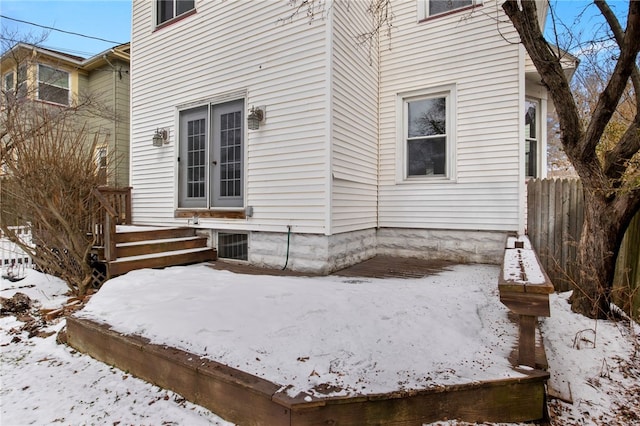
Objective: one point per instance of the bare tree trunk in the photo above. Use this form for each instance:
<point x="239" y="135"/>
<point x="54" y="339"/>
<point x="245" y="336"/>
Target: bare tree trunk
<point x="612" y="196"/>
<point x="597" y="253"/>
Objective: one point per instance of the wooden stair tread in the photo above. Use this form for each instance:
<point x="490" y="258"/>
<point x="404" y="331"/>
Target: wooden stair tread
<point x="158" y="241"/>
<point x="161" y="254"/>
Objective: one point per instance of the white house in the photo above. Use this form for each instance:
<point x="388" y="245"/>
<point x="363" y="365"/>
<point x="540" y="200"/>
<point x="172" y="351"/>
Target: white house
<point x="417" y="144"/>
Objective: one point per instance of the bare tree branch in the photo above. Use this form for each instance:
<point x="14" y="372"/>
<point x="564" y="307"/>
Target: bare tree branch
<point x="545" y="58"/>
<point x="618" y="33"/>
<point x="609" y="98"/>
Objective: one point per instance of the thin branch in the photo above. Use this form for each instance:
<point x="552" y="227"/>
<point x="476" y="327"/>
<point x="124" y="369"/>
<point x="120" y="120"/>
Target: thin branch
<point x="609" y="98"/>
<point x="618" y="33"/>
<point x="548" y="64"/>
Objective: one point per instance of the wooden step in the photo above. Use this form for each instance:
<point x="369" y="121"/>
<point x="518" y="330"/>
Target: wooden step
<point x="154" y="234"/>
<point x="160" y="260"/>
<point x="138" y="248"/>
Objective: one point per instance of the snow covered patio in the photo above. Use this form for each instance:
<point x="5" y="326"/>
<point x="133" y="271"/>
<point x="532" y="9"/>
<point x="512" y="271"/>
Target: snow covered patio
<point x="317" y="350"/>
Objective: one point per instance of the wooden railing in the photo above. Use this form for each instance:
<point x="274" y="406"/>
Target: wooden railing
<point x="113" y="207"/>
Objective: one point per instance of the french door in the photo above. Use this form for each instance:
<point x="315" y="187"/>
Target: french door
<point x="211" y="162"/>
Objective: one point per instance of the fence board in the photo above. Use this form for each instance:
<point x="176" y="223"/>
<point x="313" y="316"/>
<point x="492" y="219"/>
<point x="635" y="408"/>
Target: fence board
<point x="554" y="223"/>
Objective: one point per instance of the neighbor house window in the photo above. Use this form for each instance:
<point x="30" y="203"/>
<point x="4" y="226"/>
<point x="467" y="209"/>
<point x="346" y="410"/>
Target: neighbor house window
<point x="531" y="138"/>
<point x="428" y="8"/>
<point x="8" y="82"/>
<point x="101" y="164"/>
<point x="169" y="9"/>
<point x="21" y="81"/>
<point x="427" y="141"/>
<point x="53" y="85"/>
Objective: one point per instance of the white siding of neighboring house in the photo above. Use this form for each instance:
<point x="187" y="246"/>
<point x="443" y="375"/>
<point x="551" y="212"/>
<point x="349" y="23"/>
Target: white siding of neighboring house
<point x="354" y="119"/>
<point x="235" y="49"/>
<point x="468" y="50"/>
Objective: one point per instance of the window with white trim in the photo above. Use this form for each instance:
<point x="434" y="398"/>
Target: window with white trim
<point x="8" y="82"/>
<point x="427" y="135"/>
<point x="531" y="138"/>
<point x="429" y="8"/>
<point x="101" y="164"/>
<point x="53" y="85"/>
<point x="167" y="10"/>
<point x="21" y="81"/>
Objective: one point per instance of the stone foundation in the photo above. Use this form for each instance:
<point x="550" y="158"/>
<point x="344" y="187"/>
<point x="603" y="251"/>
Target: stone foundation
<point x="322" y="254"/>
<point x="442" y="244"/>
<point x="318" y="254"/>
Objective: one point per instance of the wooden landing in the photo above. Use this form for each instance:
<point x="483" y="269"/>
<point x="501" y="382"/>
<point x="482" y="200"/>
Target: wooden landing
<point x="245" y="399"/>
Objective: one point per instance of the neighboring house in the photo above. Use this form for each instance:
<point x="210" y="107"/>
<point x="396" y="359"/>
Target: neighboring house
<point x="417" y="145"/>
<point x="62" y="80"/>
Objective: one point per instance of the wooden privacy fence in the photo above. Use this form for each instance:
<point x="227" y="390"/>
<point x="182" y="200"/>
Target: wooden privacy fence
<point x="554" y="224"/>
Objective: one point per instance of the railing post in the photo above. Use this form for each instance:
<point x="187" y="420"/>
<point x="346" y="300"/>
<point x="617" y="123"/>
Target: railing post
<point x="109" y="238"/>
<point x="127" y="204"/>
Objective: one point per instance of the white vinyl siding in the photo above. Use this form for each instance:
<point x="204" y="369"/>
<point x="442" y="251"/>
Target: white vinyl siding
<point x="279" y="65"/>
<point x="472" y="54"/>
<point x="354" y="158"/>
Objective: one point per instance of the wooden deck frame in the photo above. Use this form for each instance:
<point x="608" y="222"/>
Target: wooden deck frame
<point x="245" y="399"/>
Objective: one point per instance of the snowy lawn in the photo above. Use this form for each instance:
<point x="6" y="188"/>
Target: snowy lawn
<point x="44" y="383"/>
<point x="324" y="335"/>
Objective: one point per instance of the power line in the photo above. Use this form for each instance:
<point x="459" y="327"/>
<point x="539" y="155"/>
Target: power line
<point x="62" y="31"/>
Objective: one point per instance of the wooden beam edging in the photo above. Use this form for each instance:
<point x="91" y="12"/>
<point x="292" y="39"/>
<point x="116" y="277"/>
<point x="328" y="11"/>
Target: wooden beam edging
<point x="246" y="399"/>
<point x="524" y="288"/>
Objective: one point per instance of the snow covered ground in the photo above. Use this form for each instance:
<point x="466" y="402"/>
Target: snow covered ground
<point x="325" y="333"/>
<point x="46" y="383"/>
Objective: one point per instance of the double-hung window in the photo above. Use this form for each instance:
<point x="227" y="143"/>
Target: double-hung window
<point x="531" y="138"/>
<point x="429" y="8"/>
<point x="8" y="82"/>
<point x="101" y="164"/>
<point x="53" y="85"/>
<point x="21" y="81"/>
<point x="428" y="137"/>
<point x="167" y="10"/>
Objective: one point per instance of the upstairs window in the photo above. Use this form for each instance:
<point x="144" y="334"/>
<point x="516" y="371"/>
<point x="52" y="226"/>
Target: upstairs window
<point x="429" y="8"/>
<point x="167" y="10"/>
<point x="8" y="82"/>
<point x="53" y="85"/>
<point x="21" y="81"/>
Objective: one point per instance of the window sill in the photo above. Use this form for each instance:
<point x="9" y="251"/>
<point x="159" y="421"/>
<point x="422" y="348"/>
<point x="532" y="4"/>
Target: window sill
<point x="42" y="101"/>
<point x="426" y="180"/>
<point x="235" y="213"/>
<point x="174" y="20"/>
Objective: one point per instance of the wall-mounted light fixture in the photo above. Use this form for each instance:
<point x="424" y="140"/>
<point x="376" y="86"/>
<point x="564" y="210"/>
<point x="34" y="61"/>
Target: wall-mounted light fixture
<point x="161" y="137"/>
<point x="256" y="115"/>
